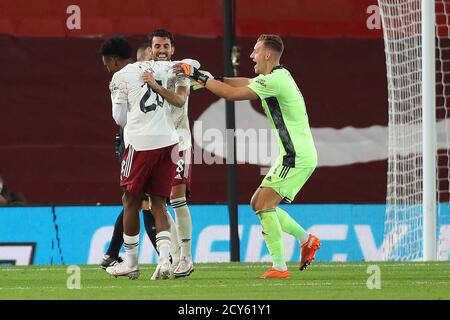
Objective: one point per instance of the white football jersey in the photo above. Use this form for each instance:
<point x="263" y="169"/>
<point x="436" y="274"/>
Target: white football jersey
<point x="149" y="123"/>
<point x="180" y="115"/>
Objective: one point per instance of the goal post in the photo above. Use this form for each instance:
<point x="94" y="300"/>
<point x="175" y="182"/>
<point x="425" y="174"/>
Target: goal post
<point x="429" y="129"/>
<point x="417" y="47"/>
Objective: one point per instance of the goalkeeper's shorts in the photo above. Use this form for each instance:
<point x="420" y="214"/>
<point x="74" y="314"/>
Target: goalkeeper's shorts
<point x="286" y="181"/>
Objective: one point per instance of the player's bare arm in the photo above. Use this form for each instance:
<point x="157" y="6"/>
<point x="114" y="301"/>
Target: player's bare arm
<point x="237" y="81"/>
<point x="177" y="98"/>
<point x="229" y="92"/>
<point x="219" y="88"/>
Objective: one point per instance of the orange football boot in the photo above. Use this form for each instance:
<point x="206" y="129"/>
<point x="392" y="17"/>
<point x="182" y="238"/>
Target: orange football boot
<point x="273" y="273"/>
<point x="309" y="249"/>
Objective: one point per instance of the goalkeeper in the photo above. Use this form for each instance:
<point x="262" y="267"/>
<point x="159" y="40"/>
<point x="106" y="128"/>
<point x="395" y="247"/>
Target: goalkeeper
<point x="284" y="106"/>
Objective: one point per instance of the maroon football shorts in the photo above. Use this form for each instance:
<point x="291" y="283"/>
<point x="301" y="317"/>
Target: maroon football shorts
<point x="149" y="171"/>
<point x="183" y="169"/>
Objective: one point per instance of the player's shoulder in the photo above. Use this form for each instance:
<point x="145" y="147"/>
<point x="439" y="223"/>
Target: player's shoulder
<point x="137" y="67"/>
<point x="265" y="80"/>
<point x="117" y="81"/>
<point x="153" y="66"/>
<point x="161" y="65"/>
<point x="279" y="72"/>
<point x="165" y="64"/>
<point x="123" y="73"/>
<point x="278" y="75"/>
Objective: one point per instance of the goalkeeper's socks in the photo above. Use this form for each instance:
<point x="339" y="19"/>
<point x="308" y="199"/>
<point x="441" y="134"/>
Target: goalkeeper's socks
<point x="273" y="236"/>
<point x="150" y="227"/>
<point x="131" y="244"/>
<point x="291" y="226"/>
<point x="117" y="237"/>
<point x="184" y="223"/>
<point x="280" y="268"/>
<point x="163" y="245"/>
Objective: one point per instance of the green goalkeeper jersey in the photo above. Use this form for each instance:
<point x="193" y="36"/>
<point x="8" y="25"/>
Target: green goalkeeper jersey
<point x="285" y="108"/>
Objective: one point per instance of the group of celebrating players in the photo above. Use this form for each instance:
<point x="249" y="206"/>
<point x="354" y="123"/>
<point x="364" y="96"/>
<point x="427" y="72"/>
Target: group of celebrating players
<point x="150" y="105"/>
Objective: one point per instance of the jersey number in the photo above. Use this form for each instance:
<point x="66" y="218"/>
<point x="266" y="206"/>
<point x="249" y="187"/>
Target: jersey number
<point x="159" y="101"/>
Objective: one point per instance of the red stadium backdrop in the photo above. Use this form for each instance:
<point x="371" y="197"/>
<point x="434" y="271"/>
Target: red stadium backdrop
<point x="57" y="132"/>
<point x="297" y="18"/>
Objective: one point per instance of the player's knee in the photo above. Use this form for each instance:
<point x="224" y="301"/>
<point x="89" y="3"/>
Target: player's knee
<point x="261" y="204"/>
<point x="177" y="192"/>
<point x="130" y="201"/>
<point x="158" y="206"/>
<point x="176" y="195"/>
<point x="157" y="209"/>
<point x="255" y="204"/>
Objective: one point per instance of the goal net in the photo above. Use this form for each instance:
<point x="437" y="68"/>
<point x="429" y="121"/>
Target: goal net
<point x="402" y="30"/>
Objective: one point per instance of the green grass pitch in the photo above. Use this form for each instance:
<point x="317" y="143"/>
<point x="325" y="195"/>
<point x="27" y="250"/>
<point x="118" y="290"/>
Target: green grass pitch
<point x="234" y="281"/>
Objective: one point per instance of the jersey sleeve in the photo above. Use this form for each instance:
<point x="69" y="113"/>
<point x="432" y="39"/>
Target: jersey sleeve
<point x="119" y="90"/>
<point x="119" y="99"/>
<point x="264" y="86"/>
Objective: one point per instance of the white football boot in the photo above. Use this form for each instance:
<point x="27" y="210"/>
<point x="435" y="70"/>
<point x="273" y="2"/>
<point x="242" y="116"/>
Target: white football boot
<point x="163" y="271"/>
<point x="185" y="267"/>
<point x="121" y="269"/>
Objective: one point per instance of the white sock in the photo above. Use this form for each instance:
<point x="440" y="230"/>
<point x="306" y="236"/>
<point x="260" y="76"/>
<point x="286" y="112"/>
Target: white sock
<point x="131" y="244"/>
<point x="174" y="243"/>
<point x="280" y="268"/>
<point x="184" y="223"/>
<point x="163" y="245"/>
<point x="303" y="239"/>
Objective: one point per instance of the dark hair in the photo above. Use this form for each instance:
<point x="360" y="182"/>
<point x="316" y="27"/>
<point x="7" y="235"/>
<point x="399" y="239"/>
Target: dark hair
<point x="144" y="46"/>
<point x="116" y="47"/>
<point x="163" y="33"/>
<point x="272" y="41"/>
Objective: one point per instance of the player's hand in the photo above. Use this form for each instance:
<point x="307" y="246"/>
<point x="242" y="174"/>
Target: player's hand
<point x="119" y="146"/>
<point x="150" y="80"/>
<point x="191" y="72"/>
<point x="195" y="85"/>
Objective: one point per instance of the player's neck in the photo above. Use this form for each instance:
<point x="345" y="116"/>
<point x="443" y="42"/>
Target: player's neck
<point x="270" y="66"/>
<point x="125" y="62"/>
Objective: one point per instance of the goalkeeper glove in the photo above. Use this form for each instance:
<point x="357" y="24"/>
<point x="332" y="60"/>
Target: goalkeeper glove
<point x="194" y="73"/>
<point x="119" y="146"/>
<point x="195" y="85"/>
